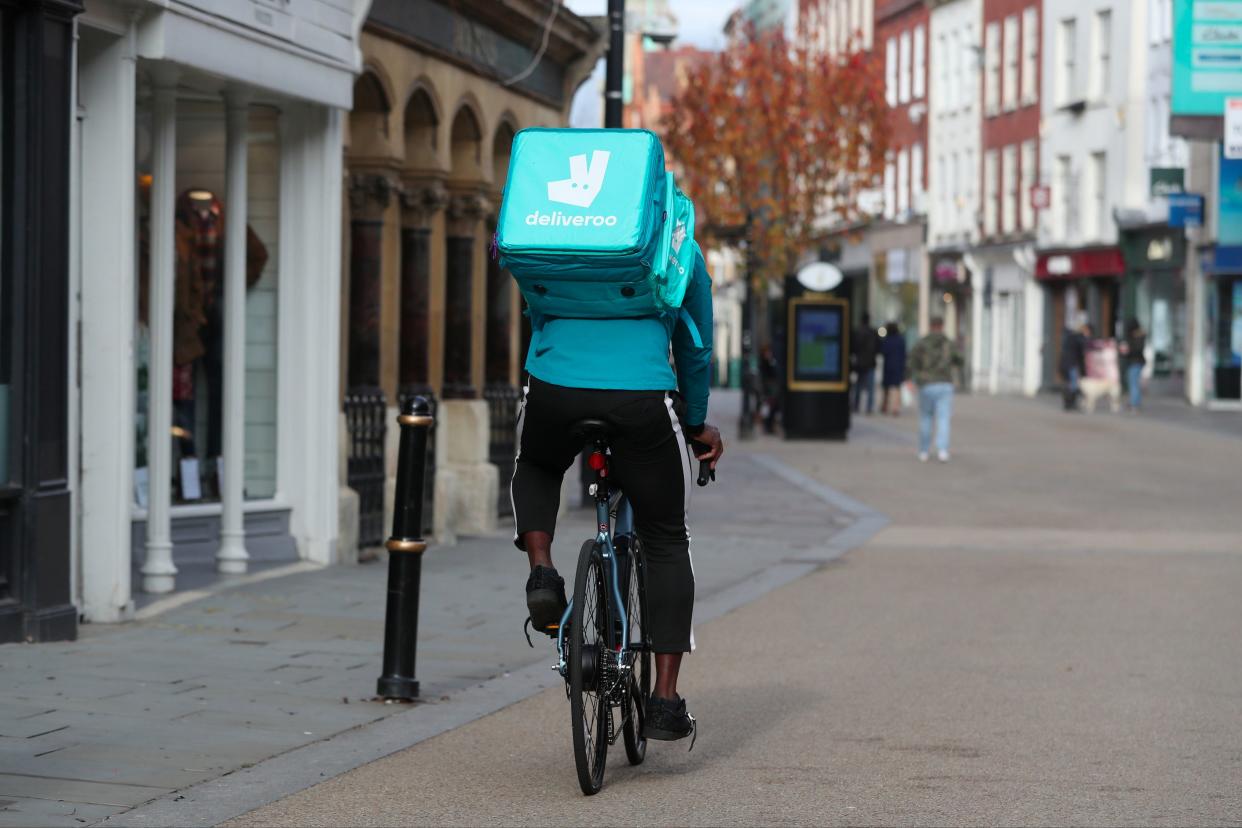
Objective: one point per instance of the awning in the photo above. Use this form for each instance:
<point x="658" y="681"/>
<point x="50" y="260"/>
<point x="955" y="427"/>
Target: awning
<point x="1080" y="263"/>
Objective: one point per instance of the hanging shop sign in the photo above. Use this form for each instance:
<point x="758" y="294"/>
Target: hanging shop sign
<point x="1207" y="55"/>
<point x="1041" y="197"/>
<point x="1185" y="210"/>
<point x="1166" y="181"/>
<point x="1233" y="127"/>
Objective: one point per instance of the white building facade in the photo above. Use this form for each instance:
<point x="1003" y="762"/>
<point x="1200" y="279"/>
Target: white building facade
<point x="1093" y="160"/>
<point x="954" y="204"/>
<point x="207" y="275"/>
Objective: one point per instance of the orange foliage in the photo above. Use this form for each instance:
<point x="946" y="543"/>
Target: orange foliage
<point x="775" y="139"/>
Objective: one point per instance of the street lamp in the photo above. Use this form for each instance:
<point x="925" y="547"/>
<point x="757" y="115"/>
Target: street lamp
<point x="615" y="69"/>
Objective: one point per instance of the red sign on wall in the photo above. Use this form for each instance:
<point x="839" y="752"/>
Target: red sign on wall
<point x="1041" y="196"/>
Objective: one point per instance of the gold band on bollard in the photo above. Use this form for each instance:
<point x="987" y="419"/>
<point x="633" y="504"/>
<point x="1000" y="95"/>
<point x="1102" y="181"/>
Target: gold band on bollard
<point x="412" y="420"/>
<point x="415" y="547"/>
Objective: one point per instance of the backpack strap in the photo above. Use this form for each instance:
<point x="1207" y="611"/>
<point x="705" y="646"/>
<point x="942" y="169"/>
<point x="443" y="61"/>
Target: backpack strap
<point x="684" y="316"/>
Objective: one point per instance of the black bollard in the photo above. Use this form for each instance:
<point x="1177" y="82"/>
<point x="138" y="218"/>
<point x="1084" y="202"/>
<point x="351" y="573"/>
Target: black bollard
<point x="405" y="554"/>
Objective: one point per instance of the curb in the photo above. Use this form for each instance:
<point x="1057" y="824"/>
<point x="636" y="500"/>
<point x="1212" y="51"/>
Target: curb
<point x="221" y="799"/>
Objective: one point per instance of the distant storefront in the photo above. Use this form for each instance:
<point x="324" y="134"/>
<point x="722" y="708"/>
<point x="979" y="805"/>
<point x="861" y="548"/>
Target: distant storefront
<point x="1082" y="285"/>
<point x="1154" y="294"/>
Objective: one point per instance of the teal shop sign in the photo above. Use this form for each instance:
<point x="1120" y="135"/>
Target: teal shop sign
<point x="1207" y="55"/>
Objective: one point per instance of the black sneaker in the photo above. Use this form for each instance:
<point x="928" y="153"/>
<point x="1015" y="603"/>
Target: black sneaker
<point x="667" y="720"/>
<point x="545" y="599"/>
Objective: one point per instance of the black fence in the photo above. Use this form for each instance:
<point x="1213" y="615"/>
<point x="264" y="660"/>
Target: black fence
<point x="502" y="405"/>
<point x="429" y="489"/>
<point x="365" y="419"/>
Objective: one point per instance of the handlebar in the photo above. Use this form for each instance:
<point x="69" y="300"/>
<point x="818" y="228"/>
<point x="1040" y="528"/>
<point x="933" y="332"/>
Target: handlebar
<point x="706" y="472"/>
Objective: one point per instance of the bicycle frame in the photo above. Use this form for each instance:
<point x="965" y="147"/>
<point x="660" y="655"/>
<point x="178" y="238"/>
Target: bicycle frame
<point x="624" y="527"/>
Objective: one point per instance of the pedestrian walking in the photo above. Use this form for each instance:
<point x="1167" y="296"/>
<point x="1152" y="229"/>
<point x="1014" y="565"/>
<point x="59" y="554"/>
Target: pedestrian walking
<point x="770" y="379"/>
<point x="1073" y="364"/>
<point x="931" y="365"/>
<point x="893" y="349"/>
<point x="863" y="348"/>
<point x="1134" y="348"/>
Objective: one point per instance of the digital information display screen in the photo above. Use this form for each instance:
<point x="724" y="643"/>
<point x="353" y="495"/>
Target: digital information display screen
<point x="819" y="344"/>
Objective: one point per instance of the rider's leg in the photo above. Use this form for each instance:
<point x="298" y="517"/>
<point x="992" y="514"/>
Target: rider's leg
<point x="538" y="547"/>
<point x="651" y="464"/>
<point x="667" y="665"/>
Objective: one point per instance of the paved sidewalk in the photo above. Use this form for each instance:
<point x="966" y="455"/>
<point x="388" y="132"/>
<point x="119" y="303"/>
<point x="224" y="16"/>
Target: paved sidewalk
<point x="135" y="712"/>
<point x="1044" y="635"/>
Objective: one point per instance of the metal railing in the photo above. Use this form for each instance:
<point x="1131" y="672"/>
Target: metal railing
<point x="502" y="406"/>
<point x="365" y="407"/>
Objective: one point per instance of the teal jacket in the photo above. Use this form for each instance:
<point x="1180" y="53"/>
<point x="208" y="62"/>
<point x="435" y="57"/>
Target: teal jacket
<point x="632" y="354"/>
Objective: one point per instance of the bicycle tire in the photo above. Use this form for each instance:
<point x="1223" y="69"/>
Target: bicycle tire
<point x="588" y="711"/>
<point x="640" y="681"/>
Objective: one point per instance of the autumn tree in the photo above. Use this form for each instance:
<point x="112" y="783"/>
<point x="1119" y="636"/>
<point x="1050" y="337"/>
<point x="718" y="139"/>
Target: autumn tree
<point x="774" y="140"/>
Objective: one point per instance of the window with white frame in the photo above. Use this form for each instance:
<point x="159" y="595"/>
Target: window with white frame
<point x="843" y="25"/>
<point x="1009" y="72"/>
<point x="890" y="71"/>
<point x="890" y="188"/>
<point x="1062" y="198"/>
<point x="1102" y="50"/>
<point x="1009" y="189"/>
<point x="1030" y="55"/>
<point x="1098" y="194"/>
<point x="920" y="63"/>
<point x="940" y="62"/>
<point x="989" y="193"/>
<point x="903" y="79"/>
<point x="855" y="19"/>
<point x="992" y="64"/>
<point x="1067" y="65"/>
<point x="916" y="179"/>
<point x="940" y="185"/>
<point x="1028" y="183"/>
<point x="903" y="182"/>
<point x="954" y="185"/>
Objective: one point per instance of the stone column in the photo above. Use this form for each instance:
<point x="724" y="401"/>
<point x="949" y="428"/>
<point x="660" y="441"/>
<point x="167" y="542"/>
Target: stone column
<point x="232" y="557"/>
<point x="158" y="572"/>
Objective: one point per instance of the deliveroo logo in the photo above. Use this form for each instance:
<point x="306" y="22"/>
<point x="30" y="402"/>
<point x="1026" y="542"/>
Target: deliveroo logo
<point x="579" y="190"/>
<point x="584" y="182"/>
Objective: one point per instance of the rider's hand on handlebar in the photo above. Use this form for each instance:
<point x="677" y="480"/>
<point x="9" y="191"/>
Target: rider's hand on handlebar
<point x="710" y="438"/>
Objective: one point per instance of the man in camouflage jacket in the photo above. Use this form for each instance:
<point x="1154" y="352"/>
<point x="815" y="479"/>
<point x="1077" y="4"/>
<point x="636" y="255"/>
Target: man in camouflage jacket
<point x="931" y="365"/>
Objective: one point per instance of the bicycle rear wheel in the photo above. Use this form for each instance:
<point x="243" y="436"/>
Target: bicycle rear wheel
<point x="640" y="681"/>
<point x="589" y="710"/>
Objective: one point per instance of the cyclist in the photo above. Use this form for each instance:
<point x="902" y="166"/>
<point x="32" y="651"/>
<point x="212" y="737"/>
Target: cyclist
<point x="618" y="371"/>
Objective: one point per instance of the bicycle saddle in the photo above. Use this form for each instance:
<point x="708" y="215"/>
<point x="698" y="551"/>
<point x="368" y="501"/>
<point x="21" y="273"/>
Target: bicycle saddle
<point x="590" y="431"/>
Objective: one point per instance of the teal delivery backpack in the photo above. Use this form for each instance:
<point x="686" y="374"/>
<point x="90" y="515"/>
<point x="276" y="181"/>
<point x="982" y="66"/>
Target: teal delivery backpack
<point x="592" y="226"/>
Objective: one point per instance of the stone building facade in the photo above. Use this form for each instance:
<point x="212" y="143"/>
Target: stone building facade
<point x="425" y="309"/>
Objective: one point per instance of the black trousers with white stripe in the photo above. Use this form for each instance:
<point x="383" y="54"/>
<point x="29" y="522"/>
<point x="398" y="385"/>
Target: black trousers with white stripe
<point x="651" y="464"/>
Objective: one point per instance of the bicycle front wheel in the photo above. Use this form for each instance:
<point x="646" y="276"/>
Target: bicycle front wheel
<point x="589" y="709"/>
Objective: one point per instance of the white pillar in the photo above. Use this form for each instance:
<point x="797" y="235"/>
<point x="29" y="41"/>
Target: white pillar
<point x="158" y="571"/>
<point x="109" y="271"/>
<point x="232" y="557"/>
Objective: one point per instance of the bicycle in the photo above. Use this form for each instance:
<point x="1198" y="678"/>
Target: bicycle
<point x="604" y="653"/>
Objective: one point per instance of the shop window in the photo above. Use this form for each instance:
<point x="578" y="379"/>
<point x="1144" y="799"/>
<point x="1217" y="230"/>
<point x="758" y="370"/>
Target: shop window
<point x="415" y="299"/>
<point x="366" y="252"/>
<point x="499" y="305"/>
<point x="459" y="307"/>
<point x="199" y="312"/>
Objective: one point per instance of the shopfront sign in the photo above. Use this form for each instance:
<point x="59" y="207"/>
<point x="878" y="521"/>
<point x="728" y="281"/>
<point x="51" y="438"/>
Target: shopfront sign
<point x="1185" y="210"/>
<point x="1166" y="181"/>
<point x="1080" y="264"/>
<point x="1207" y="55"/>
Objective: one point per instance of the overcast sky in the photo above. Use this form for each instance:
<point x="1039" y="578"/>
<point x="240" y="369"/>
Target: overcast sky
<point x="700" y="20"/>
<point x="699" y="23"/>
